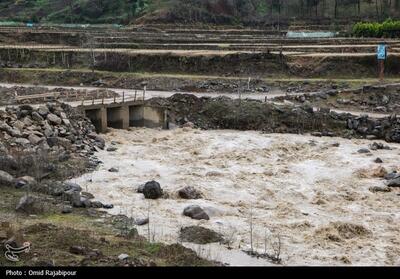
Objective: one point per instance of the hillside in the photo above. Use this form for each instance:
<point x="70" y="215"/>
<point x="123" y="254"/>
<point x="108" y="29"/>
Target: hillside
<point x="227" y="12"/>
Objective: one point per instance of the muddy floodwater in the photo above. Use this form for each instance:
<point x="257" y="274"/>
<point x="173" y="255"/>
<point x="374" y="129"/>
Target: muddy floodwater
<point x="312" y="192"/>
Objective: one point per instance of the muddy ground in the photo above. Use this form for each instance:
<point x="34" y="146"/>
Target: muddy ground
<point x="382" y="98"/>
<point x="178" y="83"/>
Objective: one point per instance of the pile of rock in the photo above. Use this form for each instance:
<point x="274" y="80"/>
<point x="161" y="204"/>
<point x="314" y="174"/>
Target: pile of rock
<point x="51" y="127"/>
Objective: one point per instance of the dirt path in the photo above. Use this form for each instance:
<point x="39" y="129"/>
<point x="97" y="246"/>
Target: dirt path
<point x="130" y="95"/>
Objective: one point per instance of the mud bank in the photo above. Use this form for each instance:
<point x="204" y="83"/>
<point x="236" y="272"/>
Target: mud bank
<point x="381" y="98"/>
<point x="225" y="113"/>
<point x="166" y="82"/>
<point x="313" y="192"/>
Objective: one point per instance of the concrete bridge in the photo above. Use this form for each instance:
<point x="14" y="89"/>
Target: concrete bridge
<point x="125" y="114"/>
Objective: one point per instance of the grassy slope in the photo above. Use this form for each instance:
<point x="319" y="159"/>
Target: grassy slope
<point x="52" y="234"/>
<point x="209" y="11"/>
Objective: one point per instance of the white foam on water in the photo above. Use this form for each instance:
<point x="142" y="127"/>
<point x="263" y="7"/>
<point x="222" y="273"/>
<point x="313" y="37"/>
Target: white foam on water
<point x="295" y="186"/>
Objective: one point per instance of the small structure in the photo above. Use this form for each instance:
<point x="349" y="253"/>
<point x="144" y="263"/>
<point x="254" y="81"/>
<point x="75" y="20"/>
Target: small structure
<point x="125" y="114"/>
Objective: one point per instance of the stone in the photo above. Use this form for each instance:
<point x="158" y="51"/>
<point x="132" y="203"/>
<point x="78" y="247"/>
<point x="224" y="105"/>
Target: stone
<point x="54" y="119"/>
<point x="112" y="149"/>
<point x="22" y="141"/>
<point x="43" y="111"/>
<point x="376" y="189"/>
<point x="123" y="257"/>
<point x="6" y="179"/>
<point x="73" y="197"/>
<point x="72" y="186"/>
<point x="188" y="125"/>
<point x="392" y="175"/>
<point x="85" y="202"/>
<point x="97" y="204"/>
<point x="199" y="235"/>
<point x="113" y="170"/>
<point x="141" y="222"/>
<point x="100" y="142"/>
<point x="25" y="182"/>
<point x="189" y="192"/>
<point x="37" y="117"/>
<point x="394" y="182"/>
<point x="66" y="209"/>
<point x="378" y="160"/>
<point x="152" y="190"/>
<point x="377" y="146"/>
<point x="87" y="195"/>
<point x="27" y="204"/>
<point x="34" y="139"/>
<point x="363" y="151"/>
<point x="108" y="206"/>
<point x="195" y="212"/>
<point x="78" y="250"/>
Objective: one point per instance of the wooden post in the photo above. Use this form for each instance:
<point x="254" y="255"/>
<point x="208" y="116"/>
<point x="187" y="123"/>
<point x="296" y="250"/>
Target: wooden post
<point x="114" y="99"/>
<point x="102" y="99"/>
<point x="381" y="64"/>
<point x="123" y="96"/>
<point x="144" y="93"/>
<point x="135" y="95"/>
<point x="92" y="100"/>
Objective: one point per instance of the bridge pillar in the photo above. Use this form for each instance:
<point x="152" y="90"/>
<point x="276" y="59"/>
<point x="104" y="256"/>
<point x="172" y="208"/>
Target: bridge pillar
<point x="118" y="117"/>
<point x="98" y="116"/>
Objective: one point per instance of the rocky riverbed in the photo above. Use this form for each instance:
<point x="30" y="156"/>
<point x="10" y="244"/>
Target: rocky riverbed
<point x="325" y="199"/>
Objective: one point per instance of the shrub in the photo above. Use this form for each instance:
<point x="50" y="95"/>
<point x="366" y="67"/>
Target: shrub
<point x="388" y="29"/>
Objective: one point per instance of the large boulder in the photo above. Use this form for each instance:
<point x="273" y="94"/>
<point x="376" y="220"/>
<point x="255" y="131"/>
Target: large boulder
<point x="54" y="119"/>
<point x="394" y="182"/>
<point x="195" y="212"/>
<point x="99" y="141"/>
<point x="25" y="182"/>
<point x="6" y="179"/>
<point x="152" y="190"/>
<point x="72" y="186"/>
<point x="199" y="235"/>
<point x="74" y="197"/>
<point x="189" y="193"/>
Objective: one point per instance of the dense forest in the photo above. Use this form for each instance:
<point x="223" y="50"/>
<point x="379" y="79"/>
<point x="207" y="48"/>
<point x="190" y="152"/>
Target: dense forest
<point x="197" y="11"/>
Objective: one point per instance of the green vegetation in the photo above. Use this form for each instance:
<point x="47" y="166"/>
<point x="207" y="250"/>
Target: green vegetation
<point x="195" y="11"/>
<point x="388" y="29"/>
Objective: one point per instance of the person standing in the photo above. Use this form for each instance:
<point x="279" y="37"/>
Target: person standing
<point x="382" y="56"/>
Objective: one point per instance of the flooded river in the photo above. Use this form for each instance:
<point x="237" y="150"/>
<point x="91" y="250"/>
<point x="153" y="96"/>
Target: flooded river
<point x="311" y="192"/>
